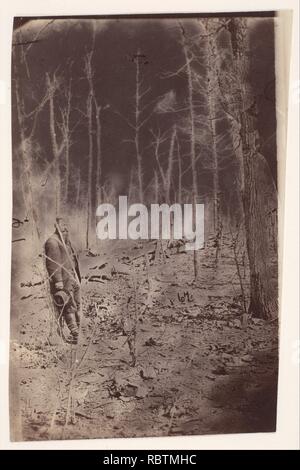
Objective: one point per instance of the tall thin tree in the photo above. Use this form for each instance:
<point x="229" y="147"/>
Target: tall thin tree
<point x="243" y="111"/>
<point x="89" y="114"/>
<point x="192" y="133"/>
<point x="58" y="143"/>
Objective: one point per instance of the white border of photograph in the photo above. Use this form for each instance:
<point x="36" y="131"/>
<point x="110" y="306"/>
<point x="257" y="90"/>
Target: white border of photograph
<point x="287" y="434"/>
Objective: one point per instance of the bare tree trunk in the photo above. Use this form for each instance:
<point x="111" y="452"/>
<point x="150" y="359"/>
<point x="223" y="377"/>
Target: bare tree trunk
<point x="179" y="197"/>
<point x="165" y="175"/>
<point x="169" y="172"/>
<point x="168" y="178"/>
<point x="189" y="75"/>
<point x="137" y="126"/>
<point x="191" y="115"/>
<point x="141" y="116"/>
<point x="66" y="128"/>
<point x="211" y="97"/>
<point x="130" y="187"/>
<point x="89" y="109"/>
<point x="99" y="154"/>
<point x="78" y="187"/>
<point x="26" y="158"/>
<point x="56" y="149"/>
<point x="156" y="188"/>
<point x="263" y="303"/>
<point x="67" y="184"/>
<point x="27" y="125"/>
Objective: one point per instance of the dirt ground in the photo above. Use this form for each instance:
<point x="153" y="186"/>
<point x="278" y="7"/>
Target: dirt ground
<point x="200" y="366"/>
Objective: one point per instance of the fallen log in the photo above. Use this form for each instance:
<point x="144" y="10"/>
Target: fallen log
<point x="82" y="415"/>
<point x="151" y="252"/>
<point x="101" y="266"/>
<point x="94" y="278"/>
<point x="30" y="284"/>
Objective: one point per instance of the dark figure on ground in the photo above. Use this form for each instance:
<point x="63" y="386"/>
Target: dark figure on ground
<point x="64" y="277"/>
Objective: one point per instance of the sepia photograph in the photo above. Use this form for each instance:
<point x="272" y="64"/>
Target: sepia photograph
<point x="144" y="273"/>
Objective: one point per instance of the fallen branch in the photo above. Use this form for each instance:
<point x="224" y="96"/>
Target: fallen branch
<point x="151" y="252"/>
<point x="94" y="278"/>
<point x="30" y="284"/>
<point x="82" y="415"/>
<point x="101" y="266"/>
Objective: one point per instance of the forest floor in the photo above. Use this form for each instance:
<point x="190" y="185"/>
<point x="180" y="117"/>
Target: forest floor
<point x="199" y="368"/>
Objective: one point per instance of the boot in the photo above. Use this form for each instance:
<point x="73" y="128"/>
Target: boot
<point x="73" y="327"/>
